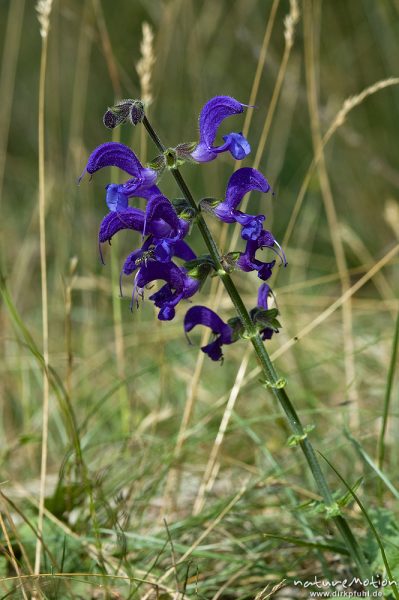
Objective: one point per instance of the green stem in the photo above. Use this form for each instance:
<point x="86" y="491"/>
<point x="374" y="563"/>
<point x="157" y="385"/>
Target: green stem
<point x="268" y="369"/>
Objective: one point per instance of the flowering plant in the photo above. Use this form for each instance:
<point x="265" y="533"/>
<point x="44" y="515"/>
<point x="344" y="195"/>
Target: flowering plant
<point x="165" y="225"/>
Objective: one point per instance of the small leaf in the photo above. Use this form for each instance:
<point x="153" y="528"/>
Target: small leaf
<point x="295" y="440"/>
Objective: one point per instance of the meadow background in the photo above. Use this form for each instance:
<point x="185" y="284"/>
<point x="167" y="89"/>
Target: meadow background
<point x="165" y="468"/>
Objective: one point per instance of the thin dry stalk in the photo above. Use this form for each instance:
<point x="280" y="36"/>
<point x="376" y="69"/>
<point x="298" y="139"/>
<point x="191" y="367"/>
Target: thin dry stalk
<point x="332" y="218"/>
<point x="290" y="22"/>
<point x="12" y="556"/>
<point x="44" y="9"/>
<point x="205" y="486"/>
<point x="260" y="66"/>
<point x="263" y="594"/>
<point x="15" y="533"/>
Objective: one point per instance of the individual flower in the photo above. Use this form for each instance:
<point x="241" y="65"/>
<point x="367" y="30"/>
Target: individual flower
<point x="114" y="154"/>
<point x="160" y="209"/>
<point x="178" y="286"/>
<point x="212" y="114"/>
<point x="180" y="250"/>
<point x="201" y="315"/>
<point x="248" y="261"/>
<point x="263" y="294"/>
<point x="159" y="219"/>
<point x="240" y="183"/>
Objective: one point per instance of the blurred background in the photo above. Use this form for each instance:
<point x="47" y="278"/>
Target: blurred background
<point x="144" y="406"/>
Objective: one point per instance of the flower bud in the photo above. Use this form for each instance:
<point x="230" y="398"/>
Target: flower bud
<point x="137" y="112"/>
<point x="123" y="111"/>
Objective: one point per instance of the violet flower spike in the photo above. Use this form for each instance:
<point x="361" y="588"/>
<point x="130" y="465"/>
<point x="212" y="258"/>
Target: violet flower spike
<point x="240" y="183"/>
<point x="201" y="315"/>
<point x="212" y="114"/>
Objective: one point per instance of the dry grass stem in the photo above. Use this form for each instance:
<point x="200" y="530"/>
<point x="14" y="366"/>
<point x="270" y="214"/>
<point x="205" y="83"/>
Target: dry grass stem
<point x="332" y="218"/>
<point x="12" y="557"/>
<point x="259" y="68"/>
<point x="44" y="12"/>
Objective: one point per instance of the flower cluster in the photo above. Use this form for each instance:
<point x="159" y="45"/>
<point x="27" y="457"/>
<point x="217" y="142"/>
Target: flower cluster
<point x="164" y="224"/>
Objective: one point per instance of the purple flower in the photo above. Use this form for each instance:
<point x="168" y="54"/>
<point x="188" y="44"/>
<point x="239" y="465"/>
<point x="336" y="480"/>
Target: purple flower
<point x="117" y="196"/>
<point x="134" y="260"/>
<point x="248" y="261"/>
<point x="200" y="315"/>
<point x="159" y="208"/>
<point x="113" y="154"/>
<point x="263" y="294"/>
<point x="160" y="220"/>
<point x="240" y="183"/>
<point x="178" y="286"/>
<point x="131" y="218"/>
<point x="212" y="114"/>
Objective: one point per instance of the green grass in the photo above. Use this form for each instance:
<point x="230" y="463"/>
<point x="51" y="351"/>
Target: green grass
<point x="119" y="520"/>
